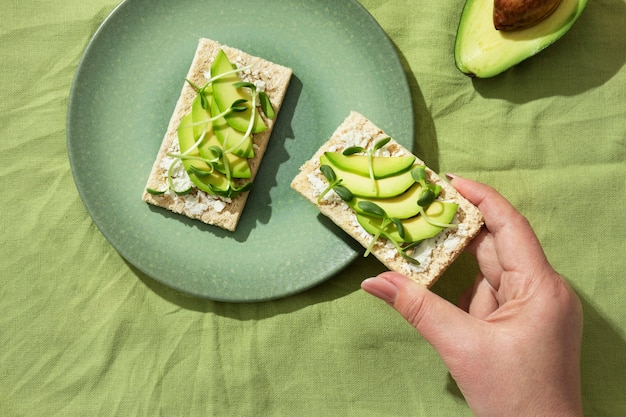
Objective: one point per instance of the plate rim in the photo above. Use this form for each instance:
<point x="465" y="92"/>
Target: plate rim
<point x="128" y="257"/>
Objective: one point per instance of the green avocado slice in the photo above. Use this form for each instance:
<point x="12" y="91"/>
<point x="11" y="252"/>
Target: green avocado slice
<point x="229" y="138"/>
<point x="403" y="206"/>
<point x="226" y="94"/>
<point x="361" y="186"/>
<point x="482" y="51"/>
<point x="201" y="118"/>
<point x="382" y="166"/>
<point x="208" y="183"/>
<point x="416" y="228"/>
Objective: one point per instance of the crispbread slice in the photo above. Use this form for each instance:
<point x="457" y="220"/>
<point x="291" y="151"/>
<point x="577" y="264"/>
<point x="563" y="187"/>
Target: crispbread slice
<point x="435" y="254"/>
<point x="222" y="212"/>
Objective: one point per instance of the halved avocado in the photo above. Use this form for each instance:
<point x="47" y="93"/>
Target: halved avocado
<point x="482" y="51"/>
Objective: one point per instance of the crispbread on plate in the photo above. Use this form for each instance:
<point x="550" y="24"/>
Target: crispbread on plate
<point x="434" y="254"/>
<point x="214" y="210"/>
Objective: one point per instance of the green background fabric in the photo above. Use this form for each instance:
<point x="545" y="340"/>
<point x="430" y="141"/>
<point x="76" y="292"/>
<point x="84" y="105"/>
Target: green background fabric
<point x="82" y="332"/>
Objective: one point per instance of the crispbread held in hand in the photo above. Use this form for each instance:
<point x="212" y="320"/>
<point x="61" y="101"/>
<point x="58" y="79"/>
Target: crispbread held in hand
<point x="434" y="254"/>
<point x="197" y="204"/>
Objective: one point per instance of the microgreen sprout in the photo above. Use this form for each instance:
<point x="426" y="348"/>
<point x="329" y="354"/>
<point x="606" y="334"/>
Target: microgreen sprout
<point x="266" y="105"/>
<point x="155" y="192"/>
<point x="374" y="210"/>
<point x="333" y="184"/>
<point x="429" y="193"/>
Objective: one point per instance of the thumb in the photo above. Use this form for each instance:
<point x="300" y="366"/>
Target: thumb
<point x="440" y="322"/>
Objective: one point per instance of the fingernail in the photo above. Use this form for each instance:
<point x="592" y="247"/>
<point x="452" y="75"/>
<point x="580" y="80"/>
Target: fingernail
<point x="450" y="176"/>
<point x="381" y="288"/>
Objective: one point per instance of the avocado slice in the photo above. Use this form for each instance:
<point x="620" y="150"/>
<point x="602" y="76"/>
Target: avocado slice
<point x="383" y="166"/>
<point x="229" y="137"/>
<point x="416" y="228"/>
<point x="209" y="182"/>
<point x="403" y="206"/>
<point x="201" y="118"/>
<point x="361" y="186"/>
<point x="226" y="94"/>
<point x="483" y="51"/>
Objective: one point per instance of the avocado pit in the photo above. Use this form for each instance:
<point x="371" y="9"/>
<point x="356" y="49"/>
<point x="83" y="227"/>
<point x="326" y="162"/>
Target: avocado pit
<point x="519" y="14"/>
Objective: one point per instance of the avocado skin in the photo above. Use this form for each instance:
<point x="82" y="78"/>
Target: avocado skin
<point x="482" y="51"/>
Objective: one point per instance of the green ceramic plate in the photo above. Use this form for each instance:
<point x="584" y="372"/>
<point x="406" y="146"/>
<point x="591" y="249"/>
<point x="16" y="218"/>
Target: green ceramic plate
<point x="121" y="100"/>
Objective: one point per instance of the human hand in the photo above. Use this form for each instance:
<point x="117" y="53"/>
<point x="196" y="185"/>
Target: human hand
<point x="513" y="344"/>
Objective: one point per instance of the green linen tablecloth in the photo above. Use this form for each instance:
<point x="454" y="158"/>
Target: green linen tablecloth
<point x="83" y="333"/>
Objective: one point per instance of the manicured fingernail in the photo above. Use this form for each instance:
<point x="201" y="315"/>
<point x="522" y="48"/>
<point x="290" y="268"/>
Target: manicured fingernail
<point x="450" y="176"/>
<point x="381" y="288"/>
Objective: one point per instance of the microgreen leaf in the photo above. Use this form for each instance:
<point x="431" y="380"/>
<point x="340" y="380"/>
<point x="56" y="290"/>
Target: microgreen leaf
<point x="200" y="172"/>
<point x="154" y="192"/>
<point x="266" y="105"/>
<point x="399" y="226"/>
<point x="245" y="187"/>
<point x="184" y="192"/>
<point x="236" y="105"/>
<point x="419" y="174"/>
<point x="194" y="86"/>
<point x="380" y="144"/>
<point x="410" y="259"/>
<point x="333" y="184"/>
<point x="412" y="245"/>
<point x="328" y="173"/>
<point x="372" y="209"/>
<point x="427" y="197"/>
<point x="241" y="84"/>
<point x="217" y="151"/>
<point x="204" y="102"/>
<point x="351" y="150"/>
<point x="343" y="192"/>
<point x="435" y="188"/>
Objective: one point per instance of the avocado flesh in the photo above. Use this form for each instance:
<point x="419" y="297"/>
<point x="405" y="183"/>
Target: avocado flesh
<point x="361" y="186"/>
<point x="226" y="94"/>
<point x="415" y="228"/>
<point x="207" y="183"/>
<point x="382" y="166"/>
<point x="231" y="139"/>
<point x="482" y="51"/>
<point x="403" y="206"/>
<point x="201" y="118"/>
